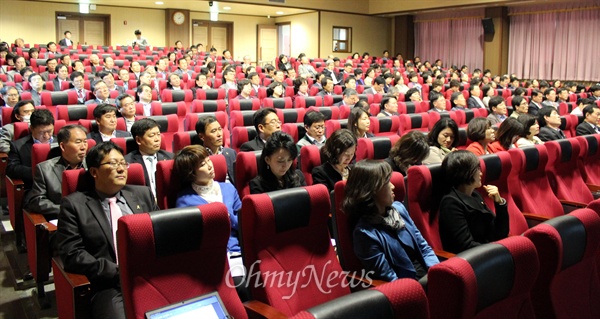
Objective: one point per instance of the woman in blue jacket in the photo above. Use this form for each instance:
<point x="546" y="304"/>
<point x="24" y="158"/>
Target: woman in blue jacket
<point x="194" y="167"/>
<point x="386" y="240"/>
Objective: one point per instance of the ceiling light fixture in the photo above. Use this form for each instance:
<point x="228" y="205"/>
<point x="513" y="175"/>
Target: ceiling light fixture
<point x="226" y="8"/>
<point x="279" y="12"/>
<point x="159" y="2"/>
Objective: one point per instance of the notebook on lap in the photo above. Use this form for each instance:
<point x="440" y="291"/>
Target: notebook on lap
<point x="209" y="306"/>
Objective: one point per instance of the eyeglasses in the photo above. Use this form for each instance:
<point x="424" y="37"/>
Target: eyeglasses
<point x="273" y="122"/>
<point x="116" y="165"/>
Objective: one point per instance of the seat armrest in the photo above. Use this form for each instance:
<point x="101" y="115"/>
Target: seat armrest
<point x="593" y="188"/>
<point x="443" y="254"/>
<point x="3" y="164"/>
<point x="15" y="191"/>
<point x="73" y="292"/>
<point x="360" y="282"/>
<point x="257" y="309"/>
<point x="533" y="219"/>
<point x="573" y="203"/>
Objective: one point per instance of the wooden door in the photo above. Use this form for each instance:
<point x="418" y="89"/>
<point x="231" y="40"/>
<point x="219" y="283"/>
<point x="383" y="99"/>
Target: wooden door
<point x="200" y="34"/>
<point x="266" y="49"/>
<point x="213" y="34"/>
<point x="90" y="29"/>
<point x="218" y="38"/>
<point x="69" y="24"/>
<point x="93" y="32"/>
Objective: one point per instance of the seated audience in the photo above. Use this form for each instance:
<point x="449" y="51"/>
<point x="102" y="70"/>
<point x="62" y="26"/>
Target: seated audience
<point x="106" y="119"/>
<point x="275" y="168"/>
<point x="591" y="120"/>
<point x="482" y="133"/>
<point x="411" y="149"/>
<point x="210" y="132"/>
<point x="519" y="105"/>
<point x="457" y="101"/>
<point x="20" y="113"/>
<point x="174" y="82"/>
<point x="386" y="240"/>
<point x="314" y="124"/>
<point x="359" y="122"/>
<point x="10" y="95"/>
<point x="531" y="128"/>
<point x="507" y="135"/>
<point x="275" y="90"/>
<point x="442" y="139"/>
<point x="266" y="122"/>
<point x="388" y="106"/>
<point x="474" y="102"/>
<point x="327" y="86"/>
<point x="244" y="89"/>
<point x="488" y="93"/>
<point x="102" y="94"/>
<point x="349" y="98"/>
<point x="146" y="133"/>
<point x="549" y="121"/>
<point x="438" y="103"/>
<point x="497" y="110"/>
<point x="126" y="106"/>
<point x="196" y="170"/>
<point x="336" y="156"/>
<point x="536" y="102"/>
<point x="465" y="221"/>
<point x="87" y="225"/>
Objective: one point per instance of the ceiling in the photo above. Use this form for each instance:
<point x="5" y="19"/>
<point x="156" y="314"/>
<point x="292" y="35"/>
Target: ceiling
<point x="384" y="8"/>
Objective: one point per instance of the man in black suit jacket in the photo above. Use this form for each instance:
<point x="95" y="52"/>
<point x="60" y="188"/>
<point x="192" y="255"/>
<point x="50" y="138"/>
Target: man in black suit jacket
<point x="549" y="121"/>
<point x="46" y="192"/>
<point x="147" y="135"/>
<point x="106" y="118"/>
<point x="591" y="121"/>
<point x="210" y="135"/>
<point x="266" y="122"/>
<point x="19" y="156"/>
<point x="66" y="42"/>
<point x="87" y="226"/>
<point x="536" y="102"/>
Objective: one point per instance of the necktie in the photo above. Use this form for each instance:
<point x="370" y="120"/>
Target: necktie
<point x="115" y="214"/>
<point x="80" y="94"/>
<point x="151" y="173"/>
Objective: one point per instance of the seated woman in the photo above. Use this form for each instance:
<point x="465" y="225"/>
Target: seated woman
<point x="210" y="132"/>
<point x="359" y="122"/>
<point x="481" y="132"/>
<point x="443" y="139"/>
<point x="195" y="169"/>
<point x="465" y="221"/>
<point x="275" y="90"/>
<point x="386" y="240"/>
<point x="337" y="154"/>
<point x="531" y="128"/>
<point x="509" y="132"/>
<point x="411" y="149"/>
<point x="275" y="169"/>
<point x="413" y="95"/>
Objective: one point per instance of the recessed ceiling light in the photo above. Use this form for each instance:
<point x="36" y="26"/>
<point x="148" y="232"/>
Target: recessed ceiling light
<point x="279" y="12"/>
<point x="159" y="2"/>
<point x="226" y="8"/>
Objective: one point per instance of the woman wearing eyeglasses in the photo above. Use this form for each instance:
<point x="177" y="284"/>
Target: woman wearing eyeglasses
<point x="275" y="167"/>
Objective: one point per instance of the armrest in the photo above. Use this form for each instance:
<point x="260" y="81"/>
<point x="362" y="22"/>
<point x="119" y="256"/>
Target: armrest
<point x="533" y="219"/>
<point x="443" y="254"/>
<point x="257" y="309"/>
<point x="3" y="164"/>
<point x="74" y="280"/>
<point x="572" y="203"/>
<point x="15" y="191"/>
<point x="361" y="282"/>
<point x="593" y="188"/>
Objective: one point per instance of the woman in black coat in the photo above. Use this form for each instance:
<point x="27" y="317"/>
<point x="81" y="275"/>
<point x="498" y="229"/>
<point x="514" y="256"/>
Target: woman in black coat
<point x="336" y="155"/>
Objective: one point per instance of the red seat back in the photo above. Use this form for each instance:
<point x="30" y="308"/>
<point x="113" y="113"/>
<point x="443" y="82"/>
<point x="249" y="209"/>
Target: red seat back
<point x="590" y="158"/>
<point x="375" y="147"/>
<point x="246" y="168"/>
<point x="310" y="158"/>
<point x="563" y="173"/>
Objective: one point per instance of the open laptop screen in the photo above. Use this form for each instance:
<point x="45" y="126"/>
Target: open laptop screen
<point x="207" y="306"/>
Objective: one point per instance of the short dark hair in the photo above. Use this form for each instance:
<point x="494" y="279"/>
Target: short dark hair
<point x="240" y="85"/>
<point x="121" y="97"/>
<point x="75" y="75"/>
<point x="136" y="32"/>
<point x="544" y="112"/>
<point x="95" y="155"/>
<point x="64" y="134"/>
<point x="17" y="109"/>
<point x="312" y="117"/>
<point x="453" y="98"/>
<point x="41" y="117"/>
<point x="411" y="149"/>
<point x="409" y="93"/>
<point x="460" y="167"/>
<point x="139" y="127"/>
<point x="507" y="131"/>
<point x="548" y="91"/>
<point x="495" y="101"/>
<point x="438" y="127"/>
<point x="364" y="182"/>
<point x="477" y="127"/>
<point x="203" y="122"/>
<point x="527" y="120"/>
<point x="279" y="140"/>
<point x="102" y="109"/>
<point x="186" y="162"/>
<point x="589" y="109"/>
<point x="379" y="80"/>
<point x="260" y="115"/>
<point x="336" y="144"/>
<point x="353" y="118"/>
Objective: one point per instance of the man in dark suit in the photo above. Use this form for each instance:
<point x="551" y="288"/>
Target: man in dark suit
<point x="266" y="122"/>
<point x="591" y="121"/>
<point x="46" y="192"/>
<point x="78" y="82"/>
<point x="66" y="42"/>
<point x="62" y="75"/>
<point x="537" y="97"/>
<point x="109" y="79"/>
<point x="349" y="98"/>
<point x="549" y="121"/>
<point x="19" y="156"/>
<point x="147" y="135"/>
<point x="87" y="225"/>
<point x="106" y="118"/>
<point x="210" y="133"/>
<point x="327" y="84"/>
<point x="329" y="71"/>
<point x="102" y="94"/>
<point x="51" y="65"/>
<point x="595" y="92"/>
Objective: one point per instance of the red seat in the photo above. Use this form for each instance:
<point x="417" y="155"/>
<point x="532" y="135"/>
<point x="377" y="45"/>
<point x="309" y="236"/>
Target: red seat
<point x="242" y="118"/>
<point x="295" y="130"/>
<point x="488" y="281"/>
<point x="241" y="135"/>
<point x="91" y="125"/>
<point x="590" y="158"/>
<point x="334" y="125"/>
<point x="286" y="231"/>
<point x="58" y="98"/>
<point x="165" y="108"/>
<point x="177" y="96"/>
<point x="385" y="126"/>
<point x="409" y="122"/>
<point x="435" y="116"/>
<point x="201" y="106"/>
<point x="73" y="113"/>
<point x="568" y="124"/>
<point x="308" y="101"/>
<point x="192" y="119"/>
<point x="403" y="298"/>
<point x="244" y="105"/>
<point x="410" y="108"/>
<point x="147" y="255"/>
<point x="278" y="103"/>
<point x="563" y="173"/>
<point x="310" y="157"/>
<point x="183" y="139"/>
<point x="291" y="115"/>
<point x="169" y="125"/>
<point x="330" y="100"/>
<point x="330" y="112"/>
<point x="246" y="168"/>
<point x="375" y="147"/>
<point x="211" y="94"/>
<point x="568" y="250"/>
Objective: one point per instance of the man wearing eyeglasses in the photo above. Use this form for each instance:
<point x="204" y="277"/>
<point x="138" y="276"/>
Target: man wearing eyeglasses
<point x="87" y="224"/>
<point x="266" y="122"/>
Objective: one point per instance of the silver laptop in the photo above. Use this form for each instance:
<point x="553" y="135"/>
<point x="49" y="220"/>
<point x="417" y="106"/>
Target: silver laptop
<point x="209" y="306"/>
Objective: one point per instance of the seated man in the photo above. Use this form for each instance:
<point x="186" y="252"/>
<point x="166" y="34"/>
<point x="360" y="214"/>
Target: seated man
<point x="210" y="133"/>
<point x="314" y="124"/>
<point x="388" y="106"/>
<point x="51" y="65"/>
<point x="147" y="135"/>
<point x="549" y="122"/>
<point x="144" y="93"/>
<point x="305" y="69"/>
<point x="550" y="98"/>
<point x="591" y="120"/>
<point x="536" y="102"/>
<point x="20" y="113"/>
<point x="377" y="86"/>
<point x="327" y="85"/>
<point x="244" y="90"/>
<point x="62" y="75"/>
<point x="126" y="106"/>
<point x="498" y="110"/>
<point x="37" y="86"/>
<point x="183" y="68"/>
<point x="78" y="87"/>
<point x="19" y="157"/>
<point x="106" y="118"/>
<point x="87" y="226"/>
<point x="109" y="79"/>
<point x="102" y="94"/>
<point x="457" y="101"/>
<point x="109" y="66"/>
<point x="349" y="98"/>
<point x="438" y="103"/>
<point x="266" y="122"/>
<point x="46" y="193"/>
